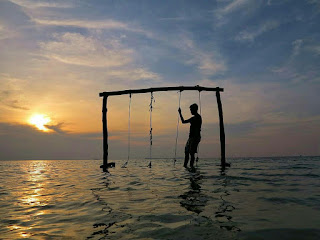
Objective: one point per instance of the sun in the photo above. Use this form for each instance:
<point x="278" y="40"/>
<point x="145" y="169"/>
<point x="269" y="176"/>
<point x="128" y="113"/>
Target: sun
<point x="40" y="121"/>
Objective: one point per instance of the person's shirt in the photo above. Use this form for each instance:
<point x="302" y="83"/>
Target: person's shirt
<point x="195" y="126"/>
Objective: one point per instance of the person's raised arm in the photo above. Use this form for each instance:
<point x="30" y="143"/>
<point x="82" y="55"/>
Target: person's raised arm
<point x="181" y="117"/>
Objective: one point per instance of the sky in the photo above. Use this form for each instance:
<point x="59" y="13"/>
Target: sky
<point x="57" y="56"/>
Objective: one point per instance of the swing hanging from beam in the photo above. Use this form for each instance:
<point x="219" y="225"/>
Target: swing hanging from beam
<point x="129" y="133"/>
<point x="105" y="96"/>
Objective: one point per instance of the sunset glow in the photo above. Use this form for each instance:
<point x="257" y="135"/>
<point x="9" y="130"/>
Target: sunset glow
<point x="264" y="54"/>
<point x="40" y="121"/>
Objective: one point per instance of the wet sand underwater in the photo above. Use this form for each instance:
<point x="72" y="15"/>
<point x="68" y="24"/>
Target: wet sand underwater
<point x="257" y="198"/>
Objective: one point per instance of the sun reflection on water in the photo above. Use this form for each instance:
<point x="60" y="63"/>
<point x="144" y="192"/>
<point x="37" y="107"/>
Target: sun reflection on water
<point x="21" y="230"/>
<point x="32" y="197"/>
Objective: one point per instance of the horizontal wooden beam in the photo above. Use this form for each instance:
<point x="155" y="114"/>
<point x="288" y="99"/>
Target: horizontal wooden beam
<point x="160" y="89"/>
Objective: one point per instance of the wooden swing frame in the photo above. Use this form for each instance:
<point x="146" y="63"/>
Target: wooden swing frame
<point x="105" y="96"/>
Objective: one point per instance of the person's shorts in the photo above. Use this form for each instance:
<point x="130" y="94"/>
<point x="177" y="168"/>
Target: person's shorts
<point x="192" y="145"/>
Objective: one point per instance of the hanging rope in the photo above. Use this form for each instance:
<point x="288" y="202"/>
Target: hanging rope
<point x="197" y="158"/>
<point x="129" y="133"/>
<point x="200" y="102"/>
<point x="177" y="135"/>
<point x="152" y="100"/>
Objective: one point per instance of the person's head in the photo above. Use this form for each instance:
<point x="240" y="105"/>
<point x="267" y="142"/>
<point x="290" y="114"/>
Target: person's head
<point x="194" y="108"/>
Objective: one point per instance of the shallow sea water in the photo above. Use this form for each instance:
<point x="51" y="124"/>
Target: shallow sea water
<point x="257" y="198"/>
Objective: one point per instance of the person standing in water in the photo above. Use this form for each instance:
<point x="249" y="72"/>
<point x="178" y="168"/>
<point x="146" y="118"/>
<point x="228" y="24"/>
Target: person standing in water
<point x="194" y="134"/>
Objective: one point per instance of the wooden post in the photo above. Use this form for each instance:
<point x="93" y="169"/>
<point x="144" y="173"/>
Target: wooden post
<point x="222" y="136"/>
<point x="105" y="133"/>
<point x="105" y="165"/>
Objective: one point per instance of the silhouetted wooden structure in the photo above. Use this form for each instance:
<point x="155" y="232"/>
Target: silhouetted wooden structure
<point x="105" y="96"/>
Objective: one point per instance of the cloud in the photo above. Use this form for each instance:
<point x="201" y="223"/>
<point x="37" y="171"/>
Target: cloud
<point x="297" y="44"/>
<point x="15" y="104"/>
<point x="277" y="140"/>
<point x="133" y="74"/>
<point x="12" y="20"/>
<point x="174" y="19"/>
<point x="207" y="62"/>
<point x="42" y="4"/>
<point x="251" y="35"/>
<point x="11" y="94"/>
<point x="48" y="20"/>
<point x="56" y="127"/>
<point x="107" y="24"/>
<point x="267" y="102"/>
<point x="285" y="137"/>
<point x="241" y="129"/>
<point x="74" y="48"/>
<point x="229" y="15"/>
<point x="277" y="2"/>
<point x="88" y="51"/>
<point x="315" y="49"/>
<point x="6" y="33"/>
<point x="316" y="3"/>
<point x="208" y="65"/>
<point x="228" y="8"/>
<point x="234" y="5"/>
<point x="19" y="142"/>
<point x="300" y="67"/>
<point x="103" y="24"/>
<point x="301" y="46"/>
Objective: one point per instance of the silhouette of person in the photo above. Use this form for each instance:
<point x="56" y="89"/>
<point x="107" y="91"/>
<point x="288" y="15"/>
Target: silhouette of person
<point x="194" y="134"/>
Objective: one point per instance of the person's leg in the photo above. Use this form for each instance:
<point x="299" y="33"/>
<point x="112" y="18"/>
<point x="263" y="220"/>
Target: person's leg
<point x="192" y="159"/>
<point x="194" y="150"/>
<point x="186" y="159"/>
<point x="186" y="154"/>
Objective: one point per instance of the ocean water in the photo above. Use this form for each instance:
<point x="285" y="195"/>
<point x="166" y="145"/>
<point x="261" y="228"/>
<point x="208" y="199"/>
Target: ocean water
<point x="257" y="198"/>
